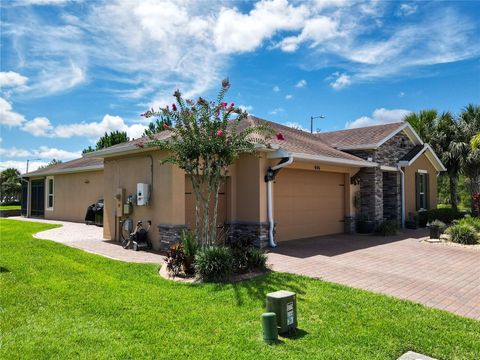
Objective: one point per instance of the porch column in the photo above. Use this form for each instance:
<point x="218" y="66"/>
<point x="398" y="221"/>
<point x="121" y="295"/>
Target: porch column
<point x="371" y="193"/>
<point x="392" y="206"/>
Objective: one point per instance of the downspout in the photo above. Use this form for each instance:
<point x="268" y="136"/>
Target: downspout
<point x="402" y="185"/>
<point x="269" y="177"/>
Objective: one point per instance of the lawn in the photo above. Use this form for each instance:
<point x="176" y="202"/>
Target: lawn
<point x="60" y="302"/>
<point x="9" y="207"/>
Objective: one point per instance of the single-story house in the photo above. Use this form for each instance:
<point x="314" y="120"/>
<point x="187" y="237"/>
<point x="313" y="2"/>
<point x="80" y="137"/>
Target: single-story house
<point x="303" y="186"/>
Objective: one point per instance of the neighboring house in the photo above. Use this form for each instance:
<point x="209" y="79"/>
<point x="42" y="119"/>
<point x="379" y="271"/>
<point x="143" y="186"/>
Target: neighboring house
<point x="311" y="193"/>
<point x="63" y="191"/>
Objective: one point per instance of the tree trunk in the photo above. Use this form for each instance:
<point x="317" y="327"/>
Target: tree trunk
<point x="454" y="191"/>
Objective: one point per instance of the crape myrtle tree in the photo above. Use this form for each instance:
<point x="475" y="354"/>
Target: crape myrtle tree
<point x="205" y="139"/>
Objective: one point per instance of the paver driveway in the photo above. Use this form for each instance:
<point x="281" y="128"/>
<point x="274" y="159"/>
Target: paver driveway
<point x="436" y="275"/>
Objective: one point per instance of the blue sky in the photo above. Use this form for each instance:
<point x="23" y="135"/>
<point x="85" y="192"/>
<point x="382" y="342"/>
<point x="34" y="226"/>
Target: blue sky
<point x="71" y="70"/>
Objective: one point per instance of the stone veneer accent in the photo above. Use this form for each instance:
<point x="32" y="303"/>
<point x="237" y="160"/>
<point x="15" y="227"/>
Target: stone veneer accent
<point x="349" y="227"/>
<point x="392" y="197"/>
<point x="256" y="232"/>
<point x="380" y="196"/>
<point x="169" y="235"/>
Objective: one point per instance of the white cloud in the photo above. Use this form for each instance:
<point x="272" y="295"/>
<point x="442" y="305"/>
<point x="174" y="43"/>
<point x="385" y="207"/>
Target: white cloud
<point x="236" y="32"/>
<point x="94" y="130"/>
<point x="12" y="79"/>
<point x="341" y="80"/>
<point x="401" y="94"/>
<point x="288" y="97"/>
<point x="407" y="9"/>
<point x="276" y="111"/>
<point x="247" y="108"/>
<point x="302" y="83"/>
<point x="315" y="31"/>
<point x="276" y="89"/>
<point x="296" y="125"/>
<point x="43" y="152"/>
<point x="40" y="2"/>
<point x="40" y="126"/>
<point x="9" y="117"/>
<point x="379" y="116"/>
<point x="21" y="165"/>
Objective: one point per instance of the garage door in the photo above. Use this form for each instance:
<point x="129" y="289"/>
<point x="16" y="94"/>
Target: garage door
<point x="308" y="203"/>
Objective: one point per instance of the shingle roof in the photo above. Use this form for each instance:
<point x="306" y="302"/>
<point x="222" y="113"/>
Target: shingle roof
<point x="412" y="153"/>
<point x="73" y="165"/>
<point x="299" y="141"/>
<point x="351" y="138"/>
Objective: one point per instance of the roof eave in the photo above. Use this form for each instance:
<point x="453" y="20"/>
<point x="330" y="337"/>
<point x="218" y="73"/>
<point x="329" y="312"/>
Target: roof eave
<point x="437" y="163"/>
<point x="64" y="171"/>
<point x="322" y="159"/>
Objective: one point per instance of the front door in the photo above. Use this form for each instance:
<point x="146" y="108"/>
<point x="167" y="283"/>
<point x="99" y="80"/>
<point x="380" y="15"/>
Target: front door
<point x="38" y="198"/>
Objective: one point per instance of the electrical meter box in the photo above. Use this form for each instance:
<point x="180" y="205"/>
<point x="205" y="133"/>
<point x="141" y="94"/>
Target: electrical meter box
<point x="284" y="305"/>
<point x="143" y="194"/>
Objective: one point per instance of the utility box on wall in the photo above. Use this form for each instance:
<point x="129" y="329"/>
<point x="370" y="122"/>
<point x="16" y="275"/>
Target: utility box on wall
<point x="143" y="194"/>
<point x="284" y="305"/>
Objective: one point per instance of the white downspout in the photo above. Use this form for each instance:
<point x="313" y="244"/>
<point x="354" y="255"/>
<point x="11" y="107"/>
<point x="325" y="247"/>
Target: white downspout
<point x="271" y="224"/>
<point x="402" y="185"/>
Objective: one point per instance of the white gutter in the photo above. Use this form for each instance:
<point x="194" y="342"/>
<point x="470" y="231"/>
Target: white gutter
<point x="402" y="185"/>
<point x="64" y="171"/>
<point x="321" y="158"/>
<point x="269" y="179"/>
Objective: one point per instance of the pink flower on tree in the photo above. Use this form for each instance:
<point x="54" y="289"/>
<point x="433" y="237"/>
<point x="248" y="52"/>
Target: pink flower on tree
<point x="174" y="107"/>
<point x="165" y="126"/>
<point x="219" y="133"/>
<point x="280" y="137"/>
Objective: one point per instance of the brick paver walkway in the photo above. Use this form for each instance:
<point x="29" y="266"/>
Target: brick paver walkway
<point x="90" y="238"/>
<point x="436" y="275"/>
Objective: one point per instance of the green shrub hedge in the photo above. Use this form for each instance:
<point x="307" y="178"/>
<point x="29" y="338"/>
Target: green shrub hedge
<point x="472" y="221"/>
<point x="446" y="215"/>
<point x="463" y="234"/>
<point x="214" y="263"/>
<point x="386" y="228"/>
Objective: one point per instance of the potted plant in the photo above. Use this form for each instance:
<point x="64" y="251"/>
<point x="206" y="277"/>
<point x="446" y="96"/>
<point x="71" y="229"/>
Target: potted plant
<point x="189" y="249"/>
<point x="437" y="228"/>
<point x="365" y="225"/>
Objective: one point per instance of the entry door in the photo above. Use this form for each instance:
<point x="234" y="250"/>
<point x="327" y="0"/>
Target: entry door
<point x="38" y="198"/>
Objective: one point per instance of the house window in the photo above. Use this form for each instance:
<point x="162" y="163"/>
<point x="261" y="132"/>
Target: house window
<point x="50" y="193"/>
<point x="422" y="190"/>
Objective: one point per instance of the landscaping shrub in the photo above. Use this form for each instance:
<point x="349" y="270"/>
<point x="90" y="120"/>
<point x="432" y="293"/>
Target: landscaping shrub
<point x="472" y="221"/>
<point x="189" y="243"/>
<point x="175" y="259"/>
<point x="386" y="228"/>
<point x="214" y="263"/>
<point x="446" y="215"/>
<point x="463" y="234"/>
<point x="257" y="259"/>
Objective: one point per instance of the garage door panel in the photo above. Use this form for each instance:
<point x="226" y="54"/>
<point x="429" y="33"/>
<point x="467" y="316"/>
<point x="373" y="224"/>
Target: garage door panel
<point x="308" y="203"/>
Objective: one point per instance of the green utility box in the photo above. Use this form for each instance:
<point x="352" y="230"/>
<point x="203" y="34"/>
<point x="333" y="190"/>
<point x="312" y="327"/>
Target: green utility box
<point x="284" y="305"/>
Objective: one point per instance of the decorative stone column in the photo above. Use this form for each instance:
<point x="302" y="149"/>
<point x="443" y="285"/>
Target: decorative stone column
<point x="392" y="197"/>
<point x="371" y="193"/>
<point x="254" y="232"/>
<point x="169" y="235"/>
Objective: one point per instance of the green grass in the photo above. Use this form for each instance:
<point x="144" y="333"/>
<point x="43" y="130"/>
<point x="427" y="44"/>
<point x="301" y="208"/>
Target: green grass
<point x="60" y="302"/>
<point x="9" y="207"/>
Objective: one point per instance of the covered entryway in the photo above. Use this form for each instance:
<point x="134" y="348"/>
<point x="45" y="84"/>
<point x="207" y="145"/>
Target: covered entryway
<point x="308" y="203"/>
<point x="37" y="198"/>
<point x="190" y="204"/>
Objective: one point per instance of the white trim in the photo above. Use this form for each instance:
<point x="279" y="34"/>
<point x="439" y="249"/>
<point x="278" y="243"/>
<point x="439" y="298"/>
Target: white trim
<point x="47" y="193"/>
<point x="388" y="168"/>
<point x="427" y="149"/>
<point x="421" y="171"/>
<point x="320" y="158"/>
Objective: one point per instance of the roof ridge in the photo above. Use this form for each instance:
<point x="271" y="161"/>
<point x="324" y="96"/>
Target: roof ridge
<point x="362" y="127"/>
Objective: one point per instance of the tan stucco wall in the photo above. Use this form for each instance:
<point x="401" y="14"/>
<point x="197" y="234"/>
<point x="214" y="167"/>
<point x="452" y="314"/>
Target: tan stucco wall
<point x="167" y="202"/>
<point x="73" y="193"/>
<point x="424" y="164"/>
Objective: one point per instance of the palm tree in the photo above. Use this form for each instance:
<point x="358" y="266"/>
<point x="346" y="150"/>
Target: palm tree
<point x="470" y="125"/>
<point x="448" y="141"/>
<point x="424" y="123"/>
<point x="475" y="142"/>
